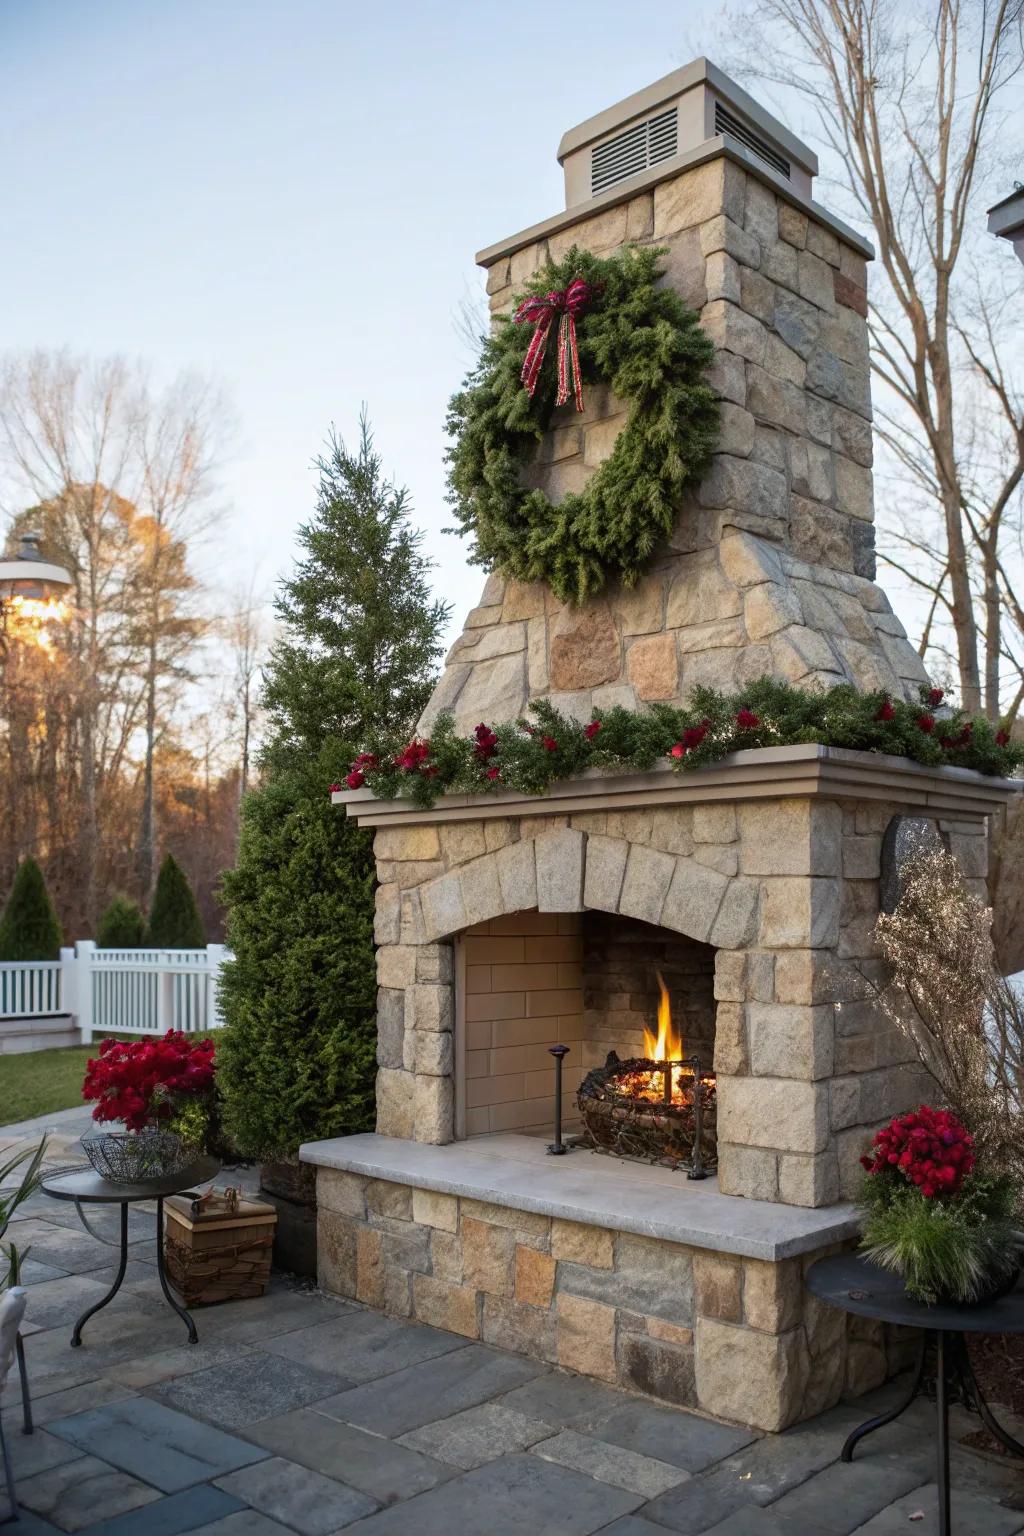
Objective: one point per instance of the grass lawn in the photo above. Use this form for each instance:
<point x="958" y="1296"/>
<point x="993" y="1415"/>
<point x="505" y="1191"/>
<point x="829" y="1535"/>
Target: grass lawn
<point x="39" y="1082"/>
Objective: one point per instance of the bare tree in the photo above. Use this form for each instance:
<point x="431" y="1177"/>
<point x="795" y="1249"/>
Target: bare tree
<point x="907" y="101"/>
<point x="117" y="474"/>
<point x="246" y="631"/>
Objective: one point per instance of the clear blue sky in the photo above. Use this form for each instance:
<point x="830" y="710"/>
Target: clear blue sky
<point x="289" y="196"/>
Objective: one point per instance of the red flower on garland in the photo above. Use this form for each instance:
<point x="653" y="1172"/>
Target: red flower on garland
<point x="930" y="1148"/>
<point x="335" y="788"/>
<point x="677" y="751"/>
<point x="747" y="720"/>
<point x="955" y="743"/>
<point x="413" y="756"/>
<point x="926" y="723"/>
<point x="144" y="1081"/>
<point x="494" y="773"/>
<point x="1002" y="738"/>
<point x="935" y="696"/>
<point x="886" y="711"/>
<point x="549" y="744"/>
<point x="591" y="730"/>
<point x="356" y="776"/>
<point x="486" y="742"/>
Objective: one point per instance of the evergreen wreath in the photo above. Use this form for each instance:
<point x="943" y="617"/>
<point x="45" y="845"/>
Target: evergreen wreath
<point x="641" y="341"/>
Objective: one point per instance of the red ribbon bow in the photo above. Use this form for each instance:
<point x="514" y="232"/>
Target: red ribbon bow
<point x="541" y="311"/>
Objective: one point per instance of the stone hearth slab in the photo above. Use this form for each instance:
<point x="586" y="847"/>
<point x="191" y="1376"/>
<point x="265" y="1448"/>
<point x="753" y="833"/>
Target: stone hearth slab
<point x="584" y="1186"/>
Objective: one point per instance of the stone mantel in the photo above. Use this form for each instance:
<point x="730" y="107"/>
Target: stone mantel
<point x="586" y="1187"/>
<point x="808" y="770"/>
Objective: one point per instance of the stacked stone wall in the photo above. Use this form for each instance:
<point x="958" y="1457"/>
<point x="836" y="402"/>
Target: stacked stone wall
<point x="736" y="1337"/>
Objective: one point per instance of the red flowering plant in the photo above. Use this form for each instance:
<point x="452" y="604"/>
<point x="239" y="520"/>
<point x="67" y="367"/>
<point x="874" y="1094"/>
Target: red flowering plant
<point x="931" y="1217"/>
<point x="165" y="1082"/>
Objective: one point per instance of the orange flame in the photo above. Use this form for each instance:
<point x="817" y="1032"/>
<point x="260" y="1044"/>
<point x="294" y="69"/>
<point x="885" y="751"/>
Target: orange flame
<point x="667" y="1044"/>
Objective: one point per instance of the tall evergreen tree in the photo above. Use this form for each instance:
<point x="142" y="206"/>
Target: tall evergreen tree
<point x="29" y="929"/>
<point x="358" y="654"/>
<point x="174" y="921"/>
<point x="122" y="926"/>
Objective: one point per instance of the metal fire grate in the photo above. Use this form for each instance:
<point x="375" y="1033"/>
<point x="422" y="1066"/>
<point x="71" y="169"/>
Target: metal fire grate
<point x="674" y="1135"/>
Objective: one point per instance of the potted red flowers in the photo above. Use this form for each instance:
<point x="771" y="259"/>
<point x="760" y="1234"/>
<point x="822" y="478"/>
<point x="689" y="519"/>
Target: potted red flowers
<point x="931" y="1216"/>
<point x="162" y="1089"/>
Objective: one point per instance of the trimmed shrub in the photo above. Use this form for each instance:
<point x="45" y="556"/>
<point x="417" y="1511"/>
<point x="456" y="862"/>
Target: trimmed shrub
<point x="174" y="921"/>
<point x="122" y="926"/>
<point x="29" y="929"/>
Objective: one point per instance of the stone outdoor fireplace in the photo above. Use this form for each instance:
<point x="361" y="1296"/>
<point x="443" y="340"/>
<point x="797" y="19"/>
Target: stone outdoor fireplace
<point x="508" y="923"/>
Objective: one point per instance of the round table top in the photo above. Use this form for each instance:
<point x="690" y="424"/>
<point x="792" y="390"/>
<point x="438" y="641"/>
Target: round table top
<point x="851" y="1283"/>
<point x="90" y="1188"/>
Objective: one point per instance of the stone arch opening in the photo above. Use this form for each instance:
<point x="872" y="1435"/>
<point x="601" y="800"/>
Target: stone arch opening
<point x="527" y="980"/>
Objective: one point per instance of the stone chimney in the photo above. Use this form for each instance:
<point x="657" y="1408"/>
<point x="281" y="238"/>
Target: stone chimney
<point x="771" y="567"/>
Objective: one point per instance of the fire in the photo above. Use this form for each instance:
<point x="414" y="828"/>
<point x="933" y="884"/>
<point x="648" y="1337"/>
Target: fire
<point x="667" y="1044"/>
<point x="30" y="618"/>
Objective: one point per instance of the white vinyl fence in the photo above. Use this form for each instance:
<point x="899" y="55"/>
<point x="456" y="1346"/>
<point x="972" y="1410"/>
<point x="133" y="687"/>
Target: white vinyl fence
<point x="136" y="991"/>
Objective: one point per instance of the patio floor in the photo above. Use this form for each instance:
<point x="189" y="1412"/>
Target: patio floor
<point x="296" y="1413"/>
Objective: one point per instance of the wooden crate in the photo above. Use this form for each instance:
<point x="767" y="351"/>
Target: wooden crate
<point x="217" y="1256"/>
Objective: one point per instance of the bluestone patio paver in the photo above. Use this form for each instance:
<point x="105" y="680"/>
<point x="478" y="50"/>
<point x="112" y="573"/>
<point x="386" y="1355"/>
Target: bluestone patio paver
<point x="312" y="1504"/>
<point x="568" y="1402"/>
<point x="169" y="1449"/>
<point x="247" y="1522"/>
<point x="973" y="1515"/>
<point x="166" y="1364"/>
<point x="476" y="1435"/>
<point x="610" y="1463"/>
<point x="841" y="1498"/>
<point x="514" y="1496"/>
<point x="173" y="1515"/>
<point x="243" y="1391"/>
<point x="36" y="1452"/>
<point x="363" y="1346"/>
<point x="646" y="1427"/>
<point x="432" y="1390"/>
<point x="89" y="1394"/>
<point x="380" y="1468"/>
<point x="82" y="1492"/>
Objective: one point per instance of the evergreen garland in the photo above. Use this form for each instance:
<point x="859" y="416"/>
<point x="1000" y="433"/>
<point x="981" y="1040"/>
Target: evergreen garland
<point x="530" y="756"/>
<point x="642" y="342"/>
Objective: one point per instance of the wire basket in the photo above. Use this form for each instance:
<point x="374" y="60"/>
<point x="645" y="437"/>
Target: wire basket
<point x="133" y="1157"/>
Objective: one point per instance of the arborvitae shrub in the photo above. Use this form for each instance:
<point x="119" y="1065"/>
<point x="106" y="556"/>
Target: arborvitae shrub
<point x="29" y="929"/>
<point x="122" y="926"/>
<point x="174" y="921"/>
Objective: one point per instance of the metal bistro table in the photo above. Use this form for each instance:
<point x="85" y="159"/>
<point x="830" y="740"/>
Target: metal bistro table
<point x="83" y="1186"/>
<point x="944" y="1369"/>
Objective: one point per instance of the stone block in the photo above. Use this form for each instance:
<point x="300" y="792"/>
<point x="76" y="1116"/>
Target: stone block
<point x="478" y="645"/>
<point x="534" y="1276"/>
<point x="723" y="234"/>
<point x="735" y="430"/>
<point x="698" y="195"/>
<point x="387" y="915"/>
<point x="657" y="1368"/>
<point x="731" y="1056"/>
<point x="446" y="1255"/>
<point x="342" y="1192"/>
<point x="772" y="1294"/>
<point x="718" y="1287"/>
<point x="646" y="882"/>
<point x="442" y="1305"/>
<point x="730" y="977"/>
<point x="746" y="560"/>
<point x="432" y="1209"/>
<point x="769" y="608"/>
<point x="790" y="837"/>
<point x="811" y="470"/>
<point x="789" y="1040"/>
<point x="811" y="1181"/>
<point x="481" y="889"/>
<point x="862" y="857"/>
<point x="733" y="330"/>
<point x="517" y="876"/>
<point x="757" y="295"/>
<point x="850" y="294"/>
<point x="727" y="377"/>
<point x="396" y="965"/>
<point x="779" y="263"/>
<point x="432" y="1054"/>
<point x="810" y="976"/>
<point x="461" y="841"/>
<point x="814" y="281"/>
<point x="722" y="277"/>
<point x="386" y="1198"/>
<point x="714" y="823"/>
<point x="508" y="1323"/>
<point x="394" y="1103"/>
<point x="585" y="648"/>
<point x="652" y="668"/>
<point x="683" y="267"/>
<point x="335" y="1252"/>
<point x="783" y="363"/>
<point x="693" y="900"/>
<point x="750" y="1172"/>
<point x="435" y="963"/>
<point x="854" y="494"/>
<point x="585" y="1336"/>
<point x="433" y="1109"/>
<point x="640" y="610"/>
<point x="488" y="1256"/>
<point x="429" y="1008"/>
<point x="702" y="593"/>
<point x="576" y="1243"/>
<point x="760" y="212"/>
<point x="494" y="691"/>
<point x="785" y="1115"/>
<point x="411" y="930"/>
<point x="792" y="225"/>
<point x="751" y="1377"/>
<point x="390" y="1027"/>
<point x="407" y="1250"/>
<point x="650" y="1278"/>
<point x="800" y="913"/>
<point x="370" y="1267"/>
<point x="528" y="1226"/>
<point x="402" y="843"/>
<point x="605" y="868"/>
<point x="444" y="909"/>
<point x="559" y="859"/>
<point x="778" y="402"/>
<point x="640" y="217"/>
<point x="739" y="915"/>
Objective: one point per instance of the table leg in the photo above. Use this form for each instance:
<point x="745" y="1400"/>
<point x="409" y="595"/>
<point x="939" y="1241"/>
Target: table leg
<point x="962" y="1363"/>
<point x="186" y="1317"/>
<point x="942" y="1417"/>
<point x="870" y="1425"/>
<point x="76" y="1337"/>
<point x="26" y="1400"/>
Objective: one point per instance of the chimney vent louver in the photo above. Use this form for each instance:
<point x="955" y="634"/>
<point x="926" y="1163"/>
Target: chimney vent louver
<point x="725" y="122"/>
<point x="643" y="145"/>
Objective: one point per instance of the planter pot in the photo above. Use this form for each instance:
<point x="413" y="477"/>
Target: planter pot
<point x="133" y="1157"/>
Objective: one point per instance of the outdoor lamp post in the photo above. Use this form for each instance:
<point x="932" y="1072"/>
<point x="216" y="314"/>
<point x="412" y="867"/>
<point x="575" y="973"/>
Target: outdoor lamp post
<point x="32" y="589"/>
